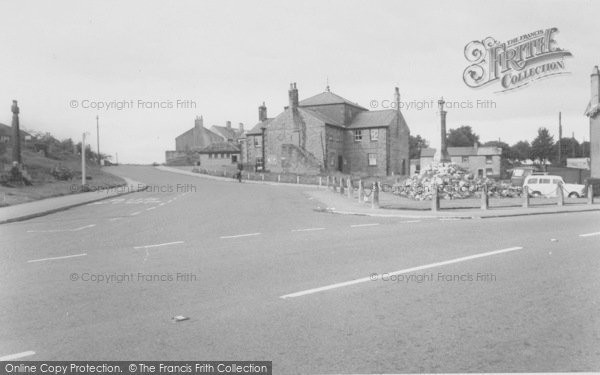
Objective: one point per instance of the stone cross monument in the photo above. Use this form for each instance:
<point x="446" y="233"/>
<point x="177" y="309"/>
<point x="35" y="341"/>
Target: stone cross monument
<point x="441" y="149"/>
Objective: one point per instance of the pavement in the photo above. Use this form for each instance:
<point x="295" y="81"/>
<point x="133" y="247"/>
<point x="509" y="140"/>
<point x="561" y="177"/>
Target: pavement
<point x="29" y="210"/>
<point x="263" y="274"/>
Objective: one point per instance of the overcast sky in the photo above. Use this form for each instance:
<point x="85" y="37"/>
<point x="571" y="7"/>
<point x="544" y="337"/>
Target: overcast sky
<point x="228" y="57"/>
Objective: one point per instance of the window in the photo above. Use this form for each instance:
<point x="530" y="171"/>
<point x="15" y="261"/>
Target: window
<point x="544" y="180"/>
<point x="234" y="158"/>
<point x="222" y="156"/>
<point x="357" y="135"/>
<point x="465" y="159"/>
<point x="556" y="181"/>
<point x="488" y="159"/>
<point x="372" y="159"/>
<point x="330" y="139"/>
<point x="489" y="172"/>
<point x="257" y="142"/>
<point x="210" y="156"/>
<point x="532" y="181"/>
<point x="374" y="135"/>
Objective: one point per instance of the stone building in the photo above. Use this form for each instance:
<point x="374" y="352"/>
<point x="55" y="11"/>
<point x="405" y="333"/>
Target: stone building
<point x="481" y="161"/>
<point x="194" y="139"/>
<point x="219" y="155"/>
<point x="327" y="133"/>
<point x="228" y="133"/>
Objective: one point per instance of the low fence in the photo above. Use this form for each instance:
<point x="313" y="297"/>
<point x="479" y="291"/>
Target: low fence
<point x="379" y="193"/>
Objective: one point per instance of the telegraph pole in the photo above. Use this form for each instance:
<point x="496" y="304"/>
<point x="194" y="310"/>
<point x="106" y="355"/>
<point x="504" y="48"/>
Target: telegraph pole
<point x="83" y="159"/>
<point x="559" y="139"/>
<point x="98" y="140"/>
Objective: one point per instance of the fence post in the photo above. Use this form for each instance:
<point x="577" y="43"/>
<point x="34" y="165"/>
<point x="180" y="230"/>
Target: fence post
<point x="375" y="195"/>
<point x="320" y="181"/>
<point x="560" y="194"/>
<point x="435" y="198"/>
<point x="278" y="178"/>
<point x="262" y="177"/>
<point x="485" y="199"/>
<point x="248" y="175"/>
<point x="350" y="188"/>
<point x="525" y="197"/>
<point x="225" y="173"/>
<point x="590" y="193"/>
<point x="341" y="185"/>
<point x="361" y="193"/>
<point x="327" y="182"/>
<point x="298" y="179"/>
<point x="333" y="186"/>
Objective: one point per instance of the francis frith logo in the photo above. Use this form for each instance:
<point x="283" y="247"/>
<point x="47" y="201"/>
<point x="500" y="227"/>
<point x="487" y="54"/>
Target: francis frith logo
<point x="516" y="62"/>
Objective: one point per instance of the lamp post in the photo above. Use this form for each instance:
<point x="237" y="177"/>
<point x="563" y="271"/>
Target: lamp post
<point x="98" y="140"/>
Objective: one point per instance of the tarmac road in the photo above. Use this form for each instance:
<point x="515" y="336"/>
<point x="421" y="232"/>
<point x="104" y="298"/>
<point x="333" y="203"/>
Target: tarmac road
<point x="262" y="275"/>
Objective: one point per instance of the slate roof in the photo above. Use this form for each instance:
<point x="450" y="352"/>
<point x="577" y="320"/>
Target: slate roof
<point x="7" y="131"/>
<point x="206" y="136"/>
<point x="464" y="151"/>
<point x="220" y="147"/>
<point x="373" y="119"/>
<point x="326" y="98"/>
<point x="257" y="129"/>
<point x="227" y="133"/>
<point x="326" y="119"/>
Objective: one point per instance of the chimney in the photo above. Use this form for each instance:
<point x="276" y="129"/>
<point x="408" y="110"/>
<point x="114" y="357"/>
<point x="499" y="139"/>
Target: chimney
<point x="262" y="112"/>
<point x="241" y="127"/>
<point x="199" y="122"/>
<point x="595" y="87"/>
<point x="397" y="98"/>
<point x="293" y="95"/>
<point x="228" y="123"/>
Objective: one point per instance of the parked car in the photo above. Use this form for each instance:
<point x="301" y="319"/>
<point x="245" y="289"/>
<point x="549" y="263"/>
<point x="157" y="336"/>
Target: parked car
<point x="546" y="185"/>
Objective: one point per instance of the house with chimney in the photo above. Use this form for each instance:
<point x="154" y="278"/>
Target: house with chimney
<point x="198" y="143"/>
<point x="327" y="133"/>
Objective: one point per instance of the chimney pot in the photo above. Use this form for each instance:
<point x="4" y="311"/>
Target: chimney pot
<point x="293" y="96"/>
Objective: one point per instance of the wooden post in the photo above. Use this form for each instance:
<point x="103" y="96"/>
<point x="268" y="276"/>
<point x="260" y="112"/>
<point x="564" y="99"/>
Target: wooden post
<point x="435" y="198"/>
<point x="590" y="193"/>
<point x="327" y="182"/>
<point x="262" y="177"/>
<point x="341" y="185"/>
<point x="278" y="178"/>
<point x="298" y="179"/>
<point x="361" y="193"/>
<point x="320" y="181"/>
<point x="350" y="188"/>
<point x="485" y="199"/>
<point x="560" y="194"/>
<point x="375" y="195"/>
<point x="333" y="186"/>
<point x="525" y="197"/>
<point x="248" y="175"/>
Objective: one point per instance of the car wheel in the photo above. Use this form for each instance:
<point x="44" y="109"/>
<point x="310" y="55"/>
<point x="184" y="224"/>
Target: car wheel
<point x="573" y="195"/>
<point x="536" y="194"/>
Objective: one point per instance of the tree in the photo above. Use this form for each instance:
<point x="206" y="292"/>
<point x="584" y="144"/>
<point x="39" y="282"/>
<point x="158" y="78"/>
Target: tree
<point x="462" y="137"/>
<point x="520" y="151"/>
<point x="415" y="144"/>
<point x="569" y="147"/>
<point x="584" y="150"/>
<point x="541" y="147"/>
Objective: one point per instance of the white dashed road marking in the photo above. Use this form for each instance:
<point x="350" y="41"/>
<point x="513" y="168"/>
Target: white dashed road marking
<point x="56" y="258"/>
<point x="590" y="234"/>
<point x="375" y="277"/>
<point x="307" y="229"/>
<point x="62" y="230"/>
<point x="135" y="213"/>
<point x="150" y="208"/>
<point x="240" y="235"/>
<point x="363" y="225"/>
<point x="12" y="357"/>
<point x="157" y="245"/>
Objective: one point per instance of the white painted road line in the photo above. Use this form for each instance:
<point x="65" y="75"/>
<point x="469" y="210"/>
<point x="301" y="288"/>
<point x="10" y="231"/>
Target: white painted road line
<point x="590" y="234"/>
<point x="157" y="245"/>
<point x="307" y="229"/>
<point x="12" y="357"/>
<point x="240" y="235"/>
<point x="363" y="225"/>
<point x="150" y="208"/>
<point x="407" y="270"/>
<point x="56" y="258"/>
<point x="410" y="221"/>
<point x="135" y="213"/>
<point x="62" y="230"/>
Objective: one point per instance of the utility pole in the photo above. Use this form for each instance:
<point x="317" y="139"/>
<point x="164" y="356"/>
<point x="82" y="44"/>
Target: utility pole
<point x="16" y="134"/>
<point x="98" y="140"/>
<point x="83" y="159"/>
<point x="559" y="139"/>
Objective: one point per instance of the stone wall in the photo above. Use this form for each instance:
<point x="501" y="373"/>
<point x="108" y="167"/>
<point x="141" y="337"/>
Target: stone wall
<point x="357" y="152"/>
